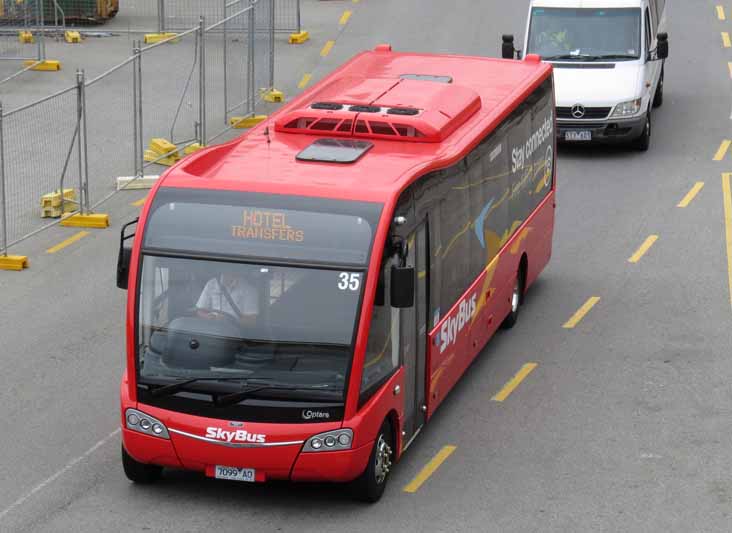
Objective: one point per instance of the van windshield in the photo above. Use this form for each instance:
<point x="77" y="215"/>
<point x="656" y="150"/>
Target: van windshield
<point x="585" y="34"/>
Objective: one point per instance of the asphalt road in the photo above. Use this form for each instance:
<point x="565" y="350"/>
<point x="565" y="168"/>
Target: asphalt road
<point x="624" y="425"/>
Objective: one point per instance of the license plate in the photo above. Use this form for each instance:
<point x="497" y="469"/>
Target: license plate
<point x="582" y="135"/>
<point x="234" y="474"/>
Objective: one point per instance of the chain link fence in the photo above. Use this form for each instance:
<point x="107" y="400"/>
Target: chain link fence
<point x="99" y="129"/>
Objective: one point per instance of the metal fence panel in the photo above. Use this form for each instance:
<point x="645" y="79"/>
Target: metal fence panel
<point x="176" y="118"/>
<point x="111" y="134"/>
<point x="41" y="154"/>
<point x="19" y="21"/>
<point x="182" y="14"/>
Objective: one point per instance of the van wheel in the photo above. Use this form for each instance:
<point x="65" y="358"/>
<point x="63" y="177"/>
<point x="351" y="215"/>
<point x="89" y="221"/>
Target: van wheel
<point x="658" y="97"/>
<point x="516" y="297"/>
<point x="370" y="486"/>
<point x="644" y="141"/>
<point x="140" y="472"/>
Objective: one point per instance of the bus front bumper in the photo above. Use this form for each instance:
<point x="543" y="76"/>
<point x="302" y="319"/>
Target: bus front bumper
<point x="281" y="461"/>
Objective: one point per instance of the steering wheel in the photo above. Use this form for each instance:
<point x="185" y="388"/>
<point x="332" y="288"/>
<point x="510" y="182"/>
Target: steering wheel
<point x="216" y="314"/>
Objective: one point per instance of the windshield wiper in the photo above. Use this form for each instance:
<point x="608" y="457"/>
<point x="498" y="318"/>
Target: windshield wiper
<point x="166" y="390"/>
<point x="236" y="397"/>
<point x="579" y="57"/>
<point x="617" y="56"/>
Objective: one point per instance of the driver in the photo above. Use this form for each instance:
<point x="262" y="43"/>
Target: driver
<point x="229" y="288"/>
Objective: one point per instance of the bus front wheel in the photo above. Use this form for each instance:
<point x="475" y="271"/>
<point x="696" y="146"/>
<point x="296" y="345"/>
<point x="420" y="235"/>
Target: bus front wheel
<point x="370" y="486"/>
<point x="140" y="472"/>
<point x="516" y="297"/>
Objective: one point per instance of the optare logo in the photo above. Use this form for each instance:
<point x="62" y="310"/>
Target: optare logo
<point x="307" y="414"/>
<point x="240" y="435"/>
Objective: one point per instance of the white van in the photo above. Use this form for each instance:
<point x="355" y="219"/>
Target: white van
<point x="608" y="57"/>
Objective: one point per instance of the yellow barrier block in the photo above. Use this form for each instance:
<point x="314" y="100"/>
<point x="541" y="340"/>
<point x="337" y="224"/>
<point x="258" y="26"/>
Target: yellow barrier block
<point x="72" y="36"/>
<point x="26" y="37"/>
<point x="53" y="199"/>
<point x="299" y="38"/>
<point x="240" y="123"/>
<point x="55" y="212"/>
<point x="152" y="38"/>
<point x="94" y="220"/>
<point x="13" y="262"/>
<point x="273" y="95"/>
<point x="162" y="152"/>
<point x="192" y="148"/>
<point x="47" y="66"/>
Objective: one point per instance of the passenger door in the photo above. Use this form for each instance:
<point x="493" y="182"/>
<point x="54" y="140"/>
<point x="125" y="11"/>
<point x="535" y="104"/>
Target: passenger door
<point x="413" y="335"/>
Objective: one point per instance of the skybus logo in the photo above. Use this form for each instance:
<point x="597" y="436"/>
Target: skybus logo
<point x="239" y="435"/>
<point x="455" y="324"/>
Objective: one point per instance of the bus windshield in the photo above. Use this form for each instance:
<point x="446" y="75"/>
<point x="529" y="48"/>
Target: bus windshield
<point x="585" y="34"/>
<point x="289" y="320"/>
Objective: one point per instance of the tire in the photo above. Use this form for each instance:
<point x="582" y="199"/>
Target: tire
<point x="658" y="97"/>
<point x="516" y="300"/>
<point x="644" y="141"/>
<point x="369" y="487"/>
<point x="140" y="473"/>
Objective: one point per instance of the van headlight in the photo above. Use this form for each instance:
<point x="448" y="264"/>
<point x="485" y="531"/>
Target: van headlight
<point x="340" y="439"/>
<point x="144" y="423"/>
<point x="626" y="109"/>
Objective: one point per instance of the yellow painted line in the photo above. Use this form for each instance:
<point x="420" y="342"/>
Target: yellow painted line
<point x="304" y="81"/>
<point x="67" y="242"/>
<point x="720" y="13"/>
<point x="640" y="252"/>
<point x="725" y="40"/>
<point x="581" y="312"/>
<point x="356" y="1"/>
<point x="430" y="468"/>
<point x="691" y="194"/>
<point x="729" y="66"/>
<point x="327" y="48"/>
<point x="345" y="16"/>
<point x="515" y="381"/>
<point x="722" y="151"/>
<point x="139" y="202"/>
<point x="728" y="228"/>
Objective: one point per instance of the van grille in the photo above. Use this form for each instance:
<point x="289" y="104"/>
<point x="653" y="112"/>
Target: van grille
<point x="591" y="113"/>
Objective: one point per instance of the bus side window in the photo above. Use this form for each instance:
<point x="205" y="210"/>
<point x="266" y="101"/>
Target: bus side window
<point x="382" y="347"/>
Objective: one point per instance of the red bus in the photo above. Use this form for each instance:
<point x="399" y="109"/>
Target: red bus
<point x="303" y="298"/>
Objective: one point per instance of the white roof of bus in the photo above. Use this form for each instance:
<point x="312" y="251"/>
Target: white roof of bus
<point x="587" y="3"/>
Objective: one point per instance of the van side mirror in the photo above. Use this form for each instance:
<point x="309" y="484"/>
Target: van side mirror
<point x="508" y="51"/>
<point x="125" y="256"/>
<point x="662" y="47"/>
<point x="402" y="287"/>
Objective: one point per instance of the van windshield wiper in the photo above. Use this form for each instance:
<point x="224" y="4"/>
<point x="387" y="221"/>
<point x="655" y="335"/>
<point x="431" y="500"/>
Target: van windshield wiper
<point x="617" y="56"/>
<point x="166" y="390"/>
<point x="578" y="57"/>
<point x="236" y="397"/>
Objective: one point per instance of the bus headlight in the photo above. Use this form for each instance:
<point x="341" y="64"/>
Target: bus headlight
<point x="143" y="423"/>
<point x="626" y="109"/>
<point x="339" y="439"/>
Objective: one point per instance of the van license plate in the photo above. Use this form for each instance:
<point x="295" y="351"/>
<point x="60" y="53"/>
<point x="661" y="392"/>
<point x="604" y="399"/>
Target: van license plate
<point x="581" y="135"/>
<point x="235" y="474"/>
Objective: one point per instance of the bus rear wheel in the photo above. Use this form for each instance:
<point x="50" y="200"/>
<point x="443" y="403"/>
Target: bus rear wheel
<point x="137" y="472"/>
<point x="370" y="486"/>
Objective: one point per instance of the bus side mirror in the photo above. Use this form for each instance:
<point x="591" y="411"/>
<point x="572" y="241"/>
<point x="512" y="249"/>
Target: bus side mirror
<point x="662" y="47"/>
<point x="402" y="287"/>
<point x="123" y="267"/>
<point x="125" y="256"/>
<point x="507" y="49"/>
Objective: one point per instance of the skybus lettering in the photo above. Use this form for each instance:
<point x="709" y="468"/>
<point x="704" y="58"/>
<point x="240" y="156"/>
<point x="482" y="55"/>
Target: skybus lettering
<point x="239" y="435"/>
<point x="453" y="325"/>
<point x="266" y="226"/>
